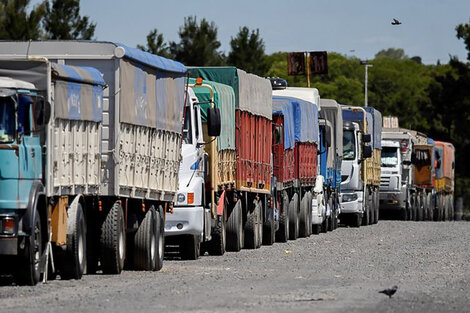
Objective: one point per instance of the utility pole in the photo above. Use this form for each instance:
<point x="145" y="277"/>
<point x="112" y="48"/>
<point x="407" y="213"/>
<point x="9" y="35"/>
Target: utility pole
<point x="366" y="66"/>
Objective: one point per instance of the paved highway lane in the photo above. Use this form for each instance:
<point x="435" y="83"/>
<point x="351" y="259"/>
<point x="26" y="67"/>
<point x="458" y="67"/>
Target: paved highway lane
<point x="341" y="271"/>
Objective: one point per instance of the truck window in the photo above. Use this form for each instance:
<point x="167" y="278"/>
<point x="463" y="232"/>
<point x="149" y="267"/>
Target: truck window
<point x="389" y="156"/>
<point x="349" y="145"/>
<point x="7" y="120"/>
<point x="187" y="129"/>
<point x="277" y="134"/>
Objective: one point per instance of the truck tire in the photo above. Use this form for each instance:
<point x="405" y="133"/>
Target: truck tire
<point x="403" y="214"/>
<point x="190" y="247"/>
<point x="366" y="215"/>
<point x="331" y="225"/>
<point x="29" y="269"/>
<point x="113" y="241"/>
<point x="452" y="208"/>
<point x="282" y="235"/>
<point x="377" y="207"/>
<point x="251" y="227"/>
<point x="160" y="229"/>
<point x="309" y="211"/>
<point x="294" y="217"/>
<point x="146" y="242"/>
<point x="74" y="260"/>
<point x="269" y="229"/>
<point x="235" y="228"/>
<point x="217" y="245"/>
<point x="303" y="219"/>
<point x="259" y="226"/>
<point x="356" y="220"/>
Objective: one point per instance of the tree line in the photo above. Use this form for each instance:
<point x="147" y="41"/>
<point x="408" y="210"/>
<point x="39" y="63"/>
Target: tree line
<point x="433" y="99"/>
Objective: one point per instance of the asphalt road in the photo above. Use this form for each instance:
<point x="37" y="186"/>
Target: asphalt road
<point x="341" y="271"/>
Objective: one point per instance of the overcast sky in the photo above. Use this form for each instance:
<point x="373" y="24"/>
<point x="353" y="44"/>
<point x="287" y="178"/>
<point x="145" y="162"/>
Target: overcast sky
<point x="352" y="27"/>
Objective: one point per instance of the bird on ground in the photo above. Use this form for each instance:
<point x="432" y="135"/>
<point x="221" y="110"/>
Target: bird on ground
<point x="396" y="22"/>
<point x="389" y="291"/>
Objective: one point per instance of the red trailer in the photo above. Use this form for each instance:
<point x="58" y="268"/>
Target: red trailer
<point x="295" y="142"/>
<point x="246" y="199"/>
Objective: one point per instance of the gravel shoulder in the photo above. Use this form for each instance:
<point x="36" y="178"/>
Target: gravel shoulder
<point x="341" y="271"/>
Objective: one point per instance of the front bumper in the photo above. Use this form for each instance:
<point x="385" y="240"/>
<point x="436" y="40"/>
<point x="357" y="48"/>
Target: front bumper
<point x="354" y="206"/>
<point x="185" y="221"/>
<point x="9" y="245"/>
<point x="392" y="201"/>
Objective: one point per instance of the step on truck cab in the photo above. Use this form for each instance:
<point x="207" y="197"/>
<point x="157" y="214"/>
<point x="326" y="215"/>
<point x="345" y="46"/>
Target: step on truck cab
<point x="299" y="185"/>
<point x="360" y="168"/>
<point x="234" y="181"/>
<point x="138" y="154"/>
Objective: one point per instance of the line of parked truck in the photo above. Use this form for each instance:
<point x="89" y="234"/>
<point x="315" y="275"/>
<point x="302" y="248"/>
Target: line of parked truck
<point x="109" y="154"/>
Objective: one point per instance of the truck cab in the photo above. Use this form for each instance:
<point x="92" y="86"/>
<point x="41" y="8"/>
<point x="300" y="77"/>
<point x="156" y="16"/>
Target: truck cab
<point x="352" y="186"/>
<point x="392" y="189"/>
<point x="21" y="173"/>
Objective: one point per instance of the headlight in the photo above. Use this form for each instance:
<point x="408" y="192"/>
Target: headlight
<point x="349" y="197"/>
<point x="181" y="197"/>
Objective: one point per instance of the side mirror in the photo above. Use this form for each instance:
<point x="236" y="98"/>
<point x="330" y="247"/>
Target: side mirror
<point x="366" y="138"/>
<point x="213" y="122"/>
<point x="42" y="112"/>
<point x="328" y="137"/>
<point x="367" y="152"/>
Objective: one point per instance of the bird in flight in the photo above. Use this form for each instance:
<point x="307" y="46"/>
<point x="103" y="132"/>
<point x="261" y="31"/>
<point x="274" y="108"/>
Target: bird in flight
<point x="396" y="22"/>
<point x="389" y="291"/>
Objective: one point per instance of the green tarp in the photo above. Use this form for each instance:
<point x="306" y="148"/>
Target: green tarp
<point x="224" y="99"/>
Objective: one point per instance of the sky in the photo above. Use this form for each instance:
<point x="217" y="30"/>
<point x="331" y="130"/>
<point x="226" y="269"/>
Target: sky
<point x="358" y="28"/>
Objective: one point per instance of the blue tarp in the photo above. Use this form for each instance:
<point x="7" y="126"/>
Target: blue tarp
<point x="78" y="92"/>
<point x="282" y="106"/>
<point x="305" y="120"/>
<point x="358" y="116"/>
<point x="153" y="60"/>
<point x="377" y="117"/>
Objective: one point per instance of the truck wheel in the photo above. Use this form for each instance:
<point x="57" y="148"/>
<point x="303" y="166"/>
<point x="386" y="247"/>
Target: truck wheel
<point x="145" y="243"/>
<point x="113" y="241"/>
<point x="303" y="219"/>
<point x="160" y="230"/>
<point x="452" y="208"/>
<point x="294" y="217"/>
<point x="216" y="246"/>
<point x="269" y="230"/>
<point x="324" y="225"/>
<point x="309" y="212"/>
<point x="403" y="214"/>
<point x="282" y="235"/>
<point x="365" y="216"/>
<point x="376" y="207"/>
<point x="251" y="227"/>
<point x="331" y="224"/>
<point x="190" y="247"/>
<point x="235" y="228"/>
<point x="73" y="265"/>
<point x="259" y="226"/>
<point x="29" y="271"/>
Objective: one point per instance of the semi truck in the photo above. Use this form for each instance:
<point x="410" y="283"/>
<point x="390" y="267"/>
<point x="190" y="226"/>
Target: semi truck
<point x="360" y="168"/>
<point x="133" y="168"/>
<point x="299" y="185"/>
<point x="236" y="187"/>
<point x="444" y="164"/>
<point x="295" y="160"/>
<point x="331" y="156"/>
<point x="406" y="185"/>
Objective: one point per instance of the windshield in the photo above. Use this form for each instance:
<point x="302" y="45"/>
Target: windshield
<point x="389" y="156"/>
<point x="7" y="120"/>
<point x="349" y="144"/>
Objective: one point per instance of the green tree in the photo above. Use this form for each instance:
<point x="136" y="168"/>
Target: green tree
<point x="393" y="53"/>
<point x="156" y="44"/>
<point x="248" y="52"/>
<point x="18" y="21"/>
<point x="463" y="32"/>
<point x="63" y="21"/>
<point x="198" y="44"/>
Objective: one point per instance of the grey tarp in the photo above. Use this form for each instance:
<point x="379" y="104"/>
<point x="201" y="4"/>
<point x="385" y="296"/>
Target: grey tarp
<point x="151" y="97"/>
<point x="78" y="93"/>
<point x="33" y="72"/>
<point x="331" y="111"/>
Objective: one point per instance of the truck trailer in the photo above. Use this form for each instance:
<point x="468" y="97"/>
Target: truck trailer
<point x="137" y="153"/>
<point x="238" y="173"/>
<point x="299" y="189"/>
